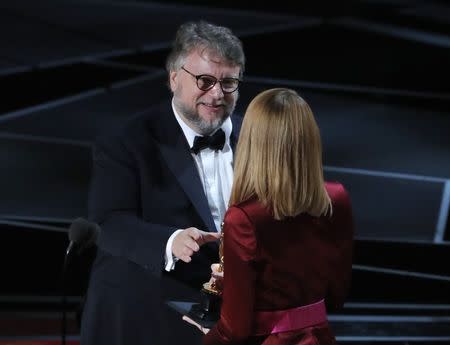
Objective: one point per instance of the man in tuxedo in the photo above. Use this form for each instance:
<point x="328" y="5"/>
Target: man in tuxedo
<point x="159" y="190"/>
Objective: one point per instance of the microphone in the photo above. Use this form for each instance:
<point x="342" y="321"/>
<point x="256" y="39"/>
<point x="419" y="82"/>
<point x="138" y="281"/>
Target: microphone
<point x="82" y="235"/>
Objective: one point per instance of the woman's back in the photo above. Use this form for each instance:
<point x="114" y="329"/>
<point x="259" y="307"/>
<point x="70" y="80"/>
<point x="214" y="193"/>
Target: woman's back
<point x="303" y="259"/>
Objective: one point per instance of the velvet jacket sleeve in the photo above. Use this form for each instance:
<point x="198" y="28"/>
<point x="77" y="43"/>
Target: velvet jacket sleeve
<point x="240" y="248"/>
<point x="343" y="228"/>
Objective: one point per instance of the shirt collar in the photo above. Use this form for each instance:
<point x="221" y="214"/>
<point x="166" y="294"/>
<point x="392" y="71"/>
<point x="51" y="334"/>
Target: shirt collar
<point x="190" y="134"/>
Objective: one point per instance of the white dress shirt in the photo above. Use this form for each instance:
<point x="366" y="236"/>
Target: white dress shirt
<point x="215" y="169"/>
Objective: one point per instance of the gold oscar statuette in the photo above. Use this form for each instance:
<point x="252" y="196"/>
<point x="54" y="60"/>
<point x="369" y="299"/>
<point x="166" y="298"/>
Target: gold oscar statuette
<point x="208" y="310"/>
<point x="212" y="287"/>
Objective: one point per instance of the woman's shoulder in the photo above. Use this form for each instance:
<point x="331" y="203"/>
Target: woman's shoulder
<point x="336" y="191"/>
<point x="340" y="199"/>
<point x="253" y="209"/>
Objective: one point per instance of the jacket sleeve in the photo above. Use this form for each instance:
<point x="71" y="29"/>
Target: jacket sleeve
<point x="343" y="228"/>
<point x="236" y="318"/>
<point x="114" y="203"/>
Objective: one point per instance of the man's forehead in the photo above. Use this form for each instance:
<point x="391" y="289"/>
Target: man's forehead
<point x="208" y="56"/>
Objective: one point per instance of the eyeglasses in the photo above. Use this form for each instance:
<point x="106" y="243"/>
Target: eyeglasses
<point x="206" y="82"/>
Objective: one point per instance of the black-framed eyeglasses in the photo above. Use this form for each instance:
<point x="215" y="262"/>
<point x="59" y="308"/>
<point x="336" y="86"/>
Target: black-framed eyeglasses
<point x="206" y="82"/>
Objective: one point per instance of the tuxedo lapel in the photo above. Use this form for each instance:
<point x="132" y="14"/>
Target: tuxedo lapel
<point x="175" y="151"/>
<point x="237" y="123"/>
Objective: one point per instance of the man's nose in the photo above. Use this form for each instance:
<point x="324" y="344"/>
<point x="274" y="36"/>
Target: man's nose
<point x="216" y="90"/>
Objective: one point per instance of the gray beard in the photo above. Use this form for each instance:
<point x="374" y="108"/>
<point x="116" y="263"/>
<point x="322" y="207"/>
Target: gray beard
<point x="200" y="125"/>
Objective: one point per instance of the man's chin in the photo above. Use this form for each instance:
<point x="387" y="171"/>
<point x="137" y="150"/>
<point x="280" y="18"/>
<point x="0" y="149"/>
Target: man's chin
<point x="206" y="128"/>
<point x="210" y="124"/>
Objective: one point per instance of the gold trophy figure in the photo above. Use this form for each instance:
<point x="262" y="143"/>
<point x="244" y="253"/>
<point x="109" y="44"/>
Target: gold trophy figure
<point x="207" y="312"/>
<point x="212" y="287"/>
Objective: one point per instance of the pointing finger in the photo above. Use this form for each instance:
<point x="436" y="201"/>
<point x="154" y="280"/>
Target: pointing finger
<point x="208" y="237"/>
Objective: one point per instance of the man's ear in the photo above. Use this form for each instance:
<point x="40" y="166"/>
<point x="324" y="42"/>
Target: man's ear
<point x="173" y="80"/>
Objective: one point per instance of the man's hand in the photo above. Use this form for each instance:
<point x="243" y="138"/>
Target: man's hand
<point x="192" y="322"/>
<point x="188" y="241"/>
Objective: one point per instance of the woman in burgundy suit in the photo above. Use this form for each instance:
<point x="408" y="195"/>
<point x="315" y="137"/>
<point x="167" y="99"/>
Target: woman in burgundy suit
<point x="288" y="235"/>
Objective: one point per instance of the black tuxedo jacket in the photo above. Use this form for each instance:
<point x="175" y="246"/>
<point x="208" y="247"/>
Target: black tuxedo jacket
<point x="144" y="186"/>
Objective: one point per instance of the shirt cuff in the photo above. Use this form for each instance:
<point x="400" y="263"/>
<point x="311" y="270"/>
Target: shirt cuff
<point x="170" y="259"/>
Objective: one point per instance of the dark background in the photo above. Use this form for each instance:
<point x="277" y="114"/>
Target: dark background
<point x="376" y="74"/>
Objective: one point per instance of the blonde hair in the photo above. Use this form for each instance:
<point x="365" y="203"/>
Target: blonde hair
<point x="279" y="156"/>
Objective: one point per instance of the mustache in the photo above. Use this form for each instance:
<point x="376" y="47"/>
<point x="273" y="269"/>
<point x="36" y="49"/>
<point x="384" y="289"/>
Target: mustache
<point x="214" y="104"/>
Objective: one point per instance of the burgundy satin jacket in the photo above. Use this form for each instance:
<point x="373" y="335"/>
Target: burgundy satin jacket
<point x="275" y="265"/>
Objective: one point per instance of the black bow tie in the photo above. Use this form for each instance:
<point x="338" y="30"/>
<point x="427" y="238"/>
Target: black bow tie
<point x="214" y="142"/>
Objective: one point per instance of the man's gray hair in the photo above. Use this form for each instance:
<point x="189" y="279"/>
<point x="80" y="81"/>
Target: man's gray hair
<point x="205" y="36"/>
